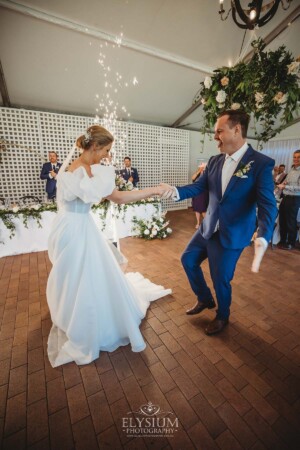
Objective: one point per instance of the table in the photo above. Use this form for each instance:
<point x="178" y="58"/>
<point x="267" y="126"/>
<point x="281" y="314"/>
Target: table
<point x="35" y="239"/>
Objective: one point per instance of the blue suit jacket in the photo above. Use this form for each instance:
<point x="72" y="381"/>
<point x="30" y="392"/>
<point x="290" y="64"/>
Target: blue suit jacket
<point x="51" y="182"/>
<point x="236" y="209"/>
<point x="133" y="173"/>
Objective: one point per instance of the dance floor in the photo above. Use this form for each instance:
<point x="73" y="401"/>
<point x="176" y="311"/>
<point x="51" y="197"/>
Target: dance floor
<point x="236" y="390"/>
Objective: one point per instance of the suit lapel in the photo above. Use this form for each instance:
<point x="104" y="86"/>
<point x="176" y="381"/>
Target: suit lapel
<point x="245" y="159"/>
<point x="219" y="176"/>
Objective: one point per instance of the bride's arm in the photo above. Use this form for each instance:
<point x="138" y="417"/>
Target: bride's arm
<point x="133" y="196"/>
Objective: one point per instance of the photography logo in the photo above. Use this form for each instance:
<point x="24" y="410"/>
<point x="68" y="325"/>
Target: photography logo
<point x="150" y="421"/>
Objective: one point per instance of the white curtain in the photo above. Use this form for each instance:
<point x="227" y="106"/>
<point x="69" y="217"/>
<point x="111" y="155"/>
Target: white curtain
<point x="282" y="151"/>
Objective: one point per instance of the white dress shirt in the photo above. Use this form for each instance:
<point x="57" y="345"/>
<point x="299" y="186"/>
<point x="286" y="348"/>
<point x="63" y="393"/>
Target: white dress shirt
<point x="230" y="165"/>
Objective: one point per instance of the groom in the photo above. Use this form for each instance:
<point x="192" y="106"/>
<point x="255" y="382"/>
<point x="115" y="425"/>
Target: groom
<point x="239" y="180"/>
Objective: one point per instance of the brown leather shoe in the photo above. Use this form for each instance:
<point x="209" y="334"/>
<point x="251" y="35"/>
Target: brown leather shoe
<point x="215" y="326"/>
<point x="200" y="306"/>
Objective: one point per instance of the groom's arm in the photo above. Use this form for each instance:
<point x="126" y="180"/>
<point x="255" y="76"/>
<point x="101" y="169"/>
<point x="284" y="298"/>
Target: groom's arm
<point x="190" y="190"/>
<point x="266" y="203"/>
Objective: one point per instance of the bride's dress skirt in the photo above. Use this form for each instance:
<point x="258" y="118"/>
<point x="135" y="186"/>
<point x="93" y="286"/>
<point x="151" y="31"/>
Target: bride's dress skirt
<point x="93" y="305"/>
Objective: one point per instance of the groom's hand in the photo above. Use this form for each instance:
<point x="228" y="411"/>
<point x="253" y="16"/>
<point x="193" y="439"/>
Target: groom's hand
<point x="260" y="246"/>
<point x="167" y="191"/>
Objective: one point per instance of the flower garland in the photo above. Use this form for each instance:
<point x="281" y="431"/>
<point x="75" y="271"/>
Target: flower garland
<point x="267" y="87"/>
<point x="122" y="184"/>
<point x="155" y="228"/>
<point x="119" y="211"/>
<point x="7" y="215"/>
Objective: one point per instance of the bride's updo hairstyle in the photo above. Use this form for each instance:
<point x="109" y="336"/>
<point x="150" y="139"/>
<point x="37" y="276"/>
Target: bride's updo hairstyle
<point x="94" y="135"/>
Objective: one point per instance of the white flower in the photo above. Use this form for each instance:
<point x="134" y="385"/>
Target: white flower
<point x="169" y="230"/>
<point x="224" y="81"/>
<point x="146" y="232"/>
<point x="235" y="106"/>
<point x="259" y="97"/>
<point x="164" y="235"/>
<point x="15" y="209"/>
<point x="36" y="207"/>
<point x="221" y="105"/>
<point x="241" y="173"/>
<point x="161" y="220"/>
<point x="207" y="82"/>
<point x="203" y="101"/>
<point x="221" y="96"/>
<point x="293" y="67"/>
<point x="154" y="232"/>
<point x="280" y="97"/>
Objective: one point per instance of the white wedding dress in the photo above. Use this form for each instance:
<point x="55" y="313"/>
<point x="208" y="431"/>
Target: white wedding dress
<point x="93" y="305"/>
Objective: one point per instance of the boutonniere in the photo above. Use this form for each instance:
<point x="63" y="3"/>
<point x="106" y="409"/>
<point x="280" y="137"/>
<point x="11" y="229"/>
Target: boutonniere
<point x="243" y="170"/>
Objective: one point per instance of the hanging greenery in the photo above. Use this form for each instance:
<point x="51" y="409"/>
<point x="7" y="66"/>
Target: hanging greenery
<point x="266" y="87"/>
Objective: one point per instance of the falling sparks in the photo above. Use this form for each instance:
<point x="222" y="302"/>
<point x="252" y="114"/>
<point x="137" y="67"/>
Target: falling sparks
<point x="108" y="110"/>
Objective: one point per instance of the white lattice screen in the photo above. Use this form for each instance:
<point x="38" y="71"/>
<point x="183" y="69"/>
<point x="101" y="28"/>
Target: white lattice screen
<point x="159" y="154"/>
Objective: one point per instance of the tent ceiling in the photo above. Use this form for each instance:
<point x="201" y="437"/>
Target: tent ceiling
<point x="49" y="63"/>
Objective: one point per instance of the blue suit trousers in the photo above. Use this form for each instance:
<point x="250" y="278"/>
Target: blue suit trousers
<point x="222" y="262"/>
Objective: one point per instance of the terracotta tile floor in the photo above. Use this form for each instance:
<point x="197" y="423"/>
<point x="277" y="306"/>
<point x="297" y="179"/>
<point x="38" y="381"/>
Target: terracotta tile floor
<point x="236" y="390"/>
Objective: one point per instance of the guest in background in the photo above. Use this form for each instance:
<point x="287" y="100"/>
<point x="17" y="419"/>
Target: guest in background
<point x="290" y="205"/>
<point x="275" y="172"/>
<point x="49" y="172"/>
<point x="199" y="203"/>
<point x="129" y="173"/>
<point x="281" y="176"/>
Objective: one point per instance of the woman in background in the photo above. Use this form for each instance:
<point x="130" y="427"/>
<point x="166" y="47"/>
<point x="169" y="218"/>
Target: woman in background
<point x="199" y="203"/>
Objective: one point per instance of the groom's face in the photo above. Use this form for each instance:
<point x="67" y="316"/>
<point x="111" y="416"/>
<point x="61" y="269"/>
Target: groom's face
<point x="225" y="135"/>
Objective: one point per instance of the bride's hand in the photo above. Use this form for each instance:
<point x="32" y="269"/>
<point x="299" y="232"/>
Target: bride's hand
<point x="166" y="191"/>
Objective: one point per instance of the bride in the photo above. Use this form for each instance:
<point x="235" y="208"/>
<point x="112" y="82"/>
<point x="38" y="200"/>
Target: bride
<point x="93" y="305"/>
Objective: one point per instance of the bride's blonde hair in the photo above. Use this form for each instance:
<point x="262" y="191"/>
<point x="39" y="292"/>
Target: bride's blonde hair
<point x="94" y="135"/>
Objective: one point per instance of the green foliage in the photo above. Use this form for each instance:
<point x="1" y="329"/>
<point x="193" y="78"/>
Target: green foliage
<point x="266" y="87"/>
<point x="155" y="228"/>
<point x="25" y="213"/>
<point x="34" y="212"/>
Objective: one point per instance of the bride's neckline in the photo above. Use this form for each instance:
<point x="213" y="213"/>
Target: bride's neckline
<point x="82" y="167"/>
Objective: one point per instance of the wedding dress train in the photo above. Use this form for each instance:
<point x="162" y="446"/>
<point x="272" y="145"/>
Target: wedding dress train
<point x="93" y="305"/>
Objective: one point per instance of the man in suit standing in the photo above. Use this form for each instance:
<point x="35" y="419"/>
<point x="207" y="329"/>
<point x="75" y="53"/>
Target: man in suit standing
<point x="281" y="176"/>
<point x="129" y="173"/>
<point x="238" y="180"/>
<point x="49" y="173"/>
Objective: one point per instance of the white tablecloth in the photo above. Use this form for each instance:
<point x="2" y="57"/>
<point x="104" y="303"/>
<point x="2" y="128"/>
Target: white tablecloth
<point x="35" y="239"/>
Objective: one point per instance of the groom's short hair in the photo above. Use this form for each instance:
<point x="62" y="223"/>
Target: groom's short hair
<point x="237" y="116"/>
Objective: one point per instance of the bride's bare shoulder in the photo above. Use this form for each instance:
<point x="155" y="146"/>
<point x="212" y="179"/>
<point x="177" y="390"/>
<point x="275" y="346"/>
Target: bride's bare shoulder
<point x="77" y="164"/>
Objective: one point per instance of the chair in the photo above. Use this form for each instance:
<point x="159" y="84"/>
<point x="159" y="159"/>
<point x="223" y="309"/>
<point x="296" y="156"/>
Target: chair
<point x="27" y="199"/>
